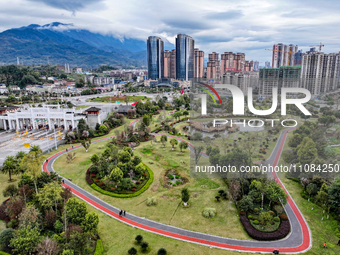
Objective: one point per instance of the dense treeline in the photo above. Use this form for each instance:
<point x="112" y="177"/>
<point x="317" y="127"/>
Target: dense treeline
<point x="25" y="75"/>
<point x="41" y="216"/>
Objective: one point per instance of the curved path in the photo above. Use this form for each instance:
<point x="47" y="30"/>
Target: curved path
<point x="298" y="241"/>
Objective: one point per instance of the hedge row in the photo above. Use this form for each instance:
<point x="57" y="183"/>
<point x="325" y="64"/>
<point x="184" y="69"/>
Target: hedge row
<point x="282" y="231"/>
<point x="88" y="177"/>
<point x="3" y="215"/>
<point x="137" y="193"/>
<point x="4" y="253"/>
<point x="99" y="247"/>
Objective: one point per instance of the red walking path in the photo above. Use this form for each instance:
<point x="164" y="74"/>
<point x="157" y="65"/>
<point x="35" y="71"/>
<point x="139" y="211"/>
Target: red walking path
<point x="298" y="241"/>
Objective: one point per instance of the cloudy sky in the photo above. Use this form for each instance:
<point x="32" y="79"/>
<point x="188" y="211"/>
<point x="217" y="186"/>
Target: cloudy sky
<point x="247" y="26"/>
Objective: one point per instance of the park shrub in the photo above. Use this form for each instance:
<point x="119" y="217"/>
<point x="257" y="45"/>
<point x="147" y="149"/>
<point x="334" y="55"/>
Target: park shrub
<point x="283" y="217"/>
<point x="151" y="201"/>
<point x="162" y="251"/>
<point x="133" y="189"/>
<point x="256" y="222"/>
<point x="137" y="193"/>
<point x="242" y="213"/>
<point x="3" y="214"/>
<point x="280" y="233"/>
<point x="4" y="253"/>
<point x="278" y="209"/>
<point x="178" y="182"/>
<point x="209" y="212"/>
<point x="250" y="217"/>
<point x="88" y="177"/>
<point x="256" y="210"/>
<point x="99" y="247"/>
<point x="277" y="219"/>
<point x="171" y="177"/>
<point x="271" y="213"/>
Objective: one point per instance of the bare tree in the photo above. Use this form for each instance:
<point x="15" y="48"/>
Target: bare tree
<point x="48" y="247"/>
<point x="198" y="153"/>
<point x="70" y="157"/>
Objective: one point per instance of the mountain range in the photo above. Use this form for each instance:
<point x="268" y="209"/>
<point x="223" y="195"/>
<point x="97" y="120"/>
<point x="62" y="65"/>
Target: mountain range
<point x="59" y="43"/>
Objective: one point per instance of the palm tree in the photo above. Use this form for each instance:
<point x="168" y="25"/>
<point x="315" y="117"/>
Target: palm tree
<point x="10" y="166"/>
<point x="20" y="155"/>
<point x="36" y="149"/>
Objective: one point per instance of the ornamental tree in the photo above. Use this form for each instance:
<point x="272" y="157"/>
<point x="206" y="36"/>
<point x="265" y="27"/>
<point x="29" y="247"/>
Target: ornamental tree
<point x="183" y="146"/>
<point x="140" y="168"/>
<point x="25" y="240"/>
<point x="164" y="139"/>
<point x="185" y="196"/>
<point x="90" y="224"/>
<point x="76" y="211"/>
<point x="116" y="175"/>
<point x="173" y="143"/>
<point x="50" y="195"/>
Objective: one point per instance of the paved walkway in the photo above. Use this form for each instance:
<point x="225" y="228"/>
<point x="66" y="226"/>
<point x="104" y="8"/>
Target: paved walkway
<point x="298" y="241"/>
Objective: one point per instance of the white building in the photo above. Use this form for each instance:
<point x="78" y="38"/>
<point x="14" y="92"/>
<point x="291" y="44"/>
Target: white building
<point x="47" y="115"/>
<point x="3" y="89"/>
<point x="99" y="81"/>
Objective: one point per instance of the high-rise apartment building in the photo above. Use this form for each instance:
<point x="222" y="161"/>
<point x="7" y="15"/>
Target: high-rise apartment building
<point x="199" y="64"/>
<point x="184" y="57"/>
<point x="248" y="66"/>
<point x="267" y="64"/>
<point x="173" y="64"/>
<point x="298" y="58"/>
<point x="285" y="76"/>
<point x="155" y="51"/>
<point x="232" y="62"/>
<point x="242" y="80"/>
<point x="283" y="55"/>
<point x="256" y="66"/>
<point x="167" y="64"/>
<point x="213" y="67"/>
<point x="320" y="72"/>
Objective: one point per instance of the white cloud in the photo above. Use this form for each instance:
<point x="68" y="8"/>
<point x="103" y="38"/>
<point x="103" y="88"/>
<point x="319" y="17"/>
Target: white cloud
<point x="247" y="26"/>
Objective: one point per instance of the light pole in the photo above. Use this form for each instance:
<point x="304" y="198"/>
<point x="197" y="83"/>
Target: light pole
<point x="55" y="139"/>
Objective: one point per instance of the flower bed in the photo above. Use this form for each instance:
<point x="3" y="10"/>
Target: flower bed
<point x="143" y="186"/>
<point x="282" y="232"/>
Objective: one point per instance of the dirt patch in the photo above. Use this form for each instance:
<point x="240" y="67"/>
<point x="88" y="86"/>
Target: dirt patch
<point x="155" y="187"/>
<point x="169" y="198"/>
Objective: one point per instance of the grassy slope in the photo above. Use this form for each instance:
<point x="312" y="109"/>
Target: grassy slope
<point x="321" y="230"/>
<point x="168" y="199"/>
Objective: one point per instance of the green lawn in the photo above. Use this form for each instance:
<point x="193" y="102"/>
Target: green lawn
<point x="81" y="107"/>
<point x="160" y="160"/>
<point x="113" y="99"/>
<point x="322" y="230"/>
<point x="118" y="238"/>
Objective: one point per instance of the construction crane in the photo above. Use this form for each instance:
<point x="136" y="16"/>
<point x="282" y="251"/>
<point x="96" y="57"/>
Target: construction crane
<point x="320" y="46"/>
<point x="289" y="53"/>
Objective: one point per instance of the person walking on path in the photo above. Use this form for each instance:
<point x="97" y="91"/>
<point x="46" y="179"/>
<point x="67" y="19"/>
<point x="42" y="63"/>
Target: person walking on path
<point x="325" y="245"/>
<point x="124" y="212"/>
<point x="120" y="213"/>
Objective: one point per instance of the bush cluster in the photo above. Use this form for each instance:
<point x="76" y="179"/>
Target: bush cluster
<point x="282" y="232"/>
<point x="137" y="193"/>
<point x="209" y="212"/>
<point x="151" y="201"/>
